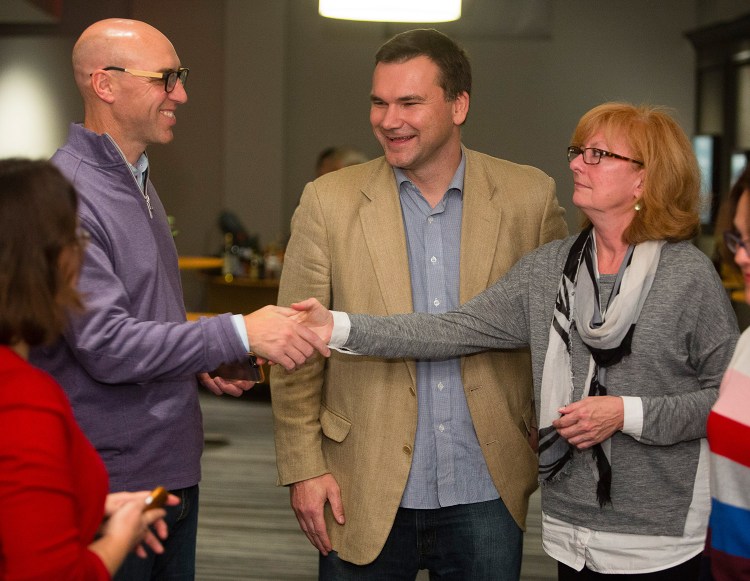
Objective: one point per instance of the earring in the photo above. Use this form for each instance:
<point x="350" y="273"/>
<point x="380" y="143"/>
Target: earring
<point x="638" y="206"/>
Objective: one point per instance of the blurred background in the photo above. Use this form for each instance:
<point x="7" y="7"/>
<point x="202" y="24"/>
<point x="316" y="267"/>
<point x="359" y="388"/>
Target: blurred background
<point x="272" y="84"/>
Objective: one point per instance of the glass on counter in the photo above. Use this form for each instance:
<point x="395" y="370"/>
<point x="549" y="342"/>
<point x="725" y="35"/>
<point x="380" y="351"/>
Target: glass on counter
<point x="242" y="261"/>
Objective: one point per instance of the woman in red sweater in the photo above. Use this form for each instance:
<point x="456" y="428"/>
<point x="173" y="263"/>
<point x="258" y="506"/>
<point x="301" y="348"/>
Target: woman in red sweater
<point x="56" y="519"/>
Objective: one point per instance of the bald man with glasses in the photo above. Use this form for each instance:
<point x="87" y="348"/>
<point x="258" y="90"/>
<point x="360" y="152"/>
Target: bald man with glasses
<point x="130" y="363"/>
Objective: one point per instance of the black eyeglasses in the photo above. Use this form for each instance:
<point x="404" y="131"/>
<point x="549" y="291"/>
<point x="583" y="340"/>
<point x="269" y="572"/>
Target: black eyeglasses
<point x="593" y="155"/>
<point x="170" y="77"/>
<point x="734" y="241"/>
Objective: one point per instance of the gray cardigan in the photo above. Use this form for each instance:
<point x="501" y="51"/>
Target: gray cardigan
<point x="682" y="344"/>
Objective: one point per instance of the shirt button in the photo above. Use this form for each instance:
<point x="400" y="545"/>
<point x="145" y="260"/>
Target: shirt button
<point x="436" y="303"/>
<point x="433" y="260"/>
<point x="430" y="220"/>
<point x="407" y="450"/>
<point x="440" y="386"/>
<point x="441" y="427"/>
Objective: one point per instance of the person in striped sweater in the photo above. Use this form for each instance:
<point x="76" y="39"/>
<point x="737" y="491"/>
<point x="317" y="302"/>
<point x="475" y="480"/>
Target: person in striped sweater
<point x="728" y="543"/>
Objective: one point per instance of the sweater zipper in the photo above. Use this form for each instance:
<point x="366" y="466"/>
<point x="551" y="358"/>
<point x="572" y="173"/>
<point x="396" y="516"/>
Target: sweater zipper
<point x="135" y="181"/>
<point x="145" y="195"/>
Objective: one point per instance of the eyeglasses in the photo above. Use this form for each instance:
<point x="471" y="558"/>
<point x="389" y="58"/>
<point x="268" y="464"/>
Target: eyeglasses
<point x="734" y="241"/>
<point x="170" y="77"/>
<point x="593" y="155"/>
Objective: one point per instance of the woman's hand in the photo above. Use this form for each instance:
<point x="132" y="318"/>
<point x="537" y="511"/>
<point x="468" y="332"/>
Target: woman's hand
<point x="591" y="420"/>
<point x="316" y="317"/>
<point x="121" y="513"/>
<point x="127" y="526"/>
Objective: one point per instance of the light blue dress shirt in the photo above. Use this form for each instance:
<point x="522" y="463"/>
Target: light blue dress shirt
<point x="140" y="171"/>
<point x="447" y="466"/>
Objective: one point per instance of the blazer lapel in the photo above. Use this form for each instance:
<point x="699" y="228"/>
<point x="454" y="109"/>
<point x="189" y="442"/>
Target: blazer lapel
<point x="480" y="229"/>
<point x="382" y="224"/>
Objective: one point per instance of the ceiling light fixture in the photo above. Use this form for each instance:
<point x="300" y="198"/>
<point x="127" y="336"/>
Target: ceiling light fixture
<point x="392" y="10"/>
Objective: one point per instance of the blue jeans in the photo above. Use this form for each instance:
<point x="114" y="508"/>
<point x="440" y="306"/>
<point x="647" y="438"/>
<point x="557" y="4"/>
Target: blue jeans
<point x="177" y="562"/>
<point x="479" y="541"/>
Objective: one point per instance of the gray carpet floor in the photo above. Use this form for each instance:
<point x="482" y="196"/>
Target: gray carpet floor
<point x="247" y="529"/>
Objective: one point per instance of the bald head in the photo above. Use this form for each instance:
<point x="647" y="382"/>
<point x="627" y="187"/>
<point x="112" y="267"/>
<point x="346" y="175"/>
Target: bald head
<point x="120" y="67"/>
<point x="113" y="42"/>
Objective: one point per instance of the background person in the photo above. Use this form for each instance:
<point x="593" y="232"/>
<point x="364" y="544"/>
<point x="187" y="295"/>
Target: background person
<point x="129" y="362"/>
<point x="56" y="519"/>
<point x="334" y="158"/>
<point x="385" y="457"/>
<point x="727" y="556"/>
<point x="627" y="372"/>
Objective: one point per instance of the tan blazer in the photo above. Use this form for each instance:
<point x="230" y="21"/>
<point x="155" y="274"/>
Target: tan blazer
<point x="356" y="417"/>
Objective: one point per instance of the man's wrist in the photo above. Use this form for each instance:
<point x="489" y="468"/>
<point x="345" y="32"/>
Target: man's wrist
<point x="239" y="325"/>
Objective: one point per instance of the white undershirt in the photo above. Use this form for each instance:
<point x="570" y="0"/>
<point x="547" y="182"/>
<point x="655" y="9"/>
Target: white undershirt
<point x="606" y="552"/>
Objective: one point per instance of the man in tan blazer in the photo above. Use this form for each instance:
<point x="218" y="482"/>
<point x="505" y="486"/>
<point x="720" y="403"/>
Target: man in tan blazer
<point x="394" y="465"/>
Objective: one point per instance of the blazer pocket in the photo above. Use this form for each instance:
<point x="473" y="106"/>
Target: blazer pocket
<point x="334" y="426"/>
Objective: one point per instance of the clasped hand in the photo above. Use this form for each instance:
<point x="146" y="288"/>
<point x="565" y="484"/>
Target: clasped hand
<point x="591" y="420"/>
<point x="315" y="317"/>
<point x="287" y="336"/>
<point x="275" y="334"/>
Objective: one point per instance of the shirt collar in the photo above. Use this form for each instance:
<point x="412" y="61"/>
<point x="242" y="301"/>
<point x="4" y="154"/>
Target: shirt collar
<point x="456" y="183"/>
<point x="140" y="169"/>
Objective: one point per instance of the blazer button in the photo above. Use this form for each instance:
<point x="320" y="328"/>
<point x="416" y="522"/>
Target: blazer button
<point x="407" y="449"/>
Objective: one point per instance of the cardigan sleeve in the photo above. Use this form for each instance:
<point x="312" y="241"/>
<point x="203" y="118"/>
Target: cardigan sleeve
<point x="497" y="318"/>
<point x="707" y="326"/>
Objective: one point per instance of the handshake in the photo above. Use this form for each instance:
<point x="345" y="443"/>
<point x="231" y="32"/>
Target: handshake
<point x="290" y="335"/>
<point x="287" y="336"/>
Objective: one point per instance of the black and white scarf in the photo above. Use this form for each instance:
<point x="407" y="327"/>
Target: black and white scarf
<point x="607" y="334"/>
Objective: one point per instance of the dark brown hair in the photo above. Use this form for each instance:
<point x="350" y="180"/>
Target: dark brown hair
<point x="40" y="254"/>
<point x="451" y="60"/>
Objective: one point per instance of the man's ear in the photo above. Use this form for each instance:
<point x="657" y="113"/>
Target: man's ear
<point x="460" y="108"/>
<point x="101" y="84"/>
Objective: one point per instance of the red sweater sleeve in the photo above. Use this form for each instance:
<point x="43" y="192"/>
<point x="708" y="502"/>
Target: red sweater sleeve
<point x="52" y="485"/>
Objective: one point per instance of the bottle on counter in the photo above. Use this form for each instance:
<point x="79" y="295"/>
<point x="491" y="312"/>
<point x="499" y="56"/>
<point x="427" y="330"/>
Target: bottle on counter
<point x="273" y="262"/>
<point x="231" y="265"/>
